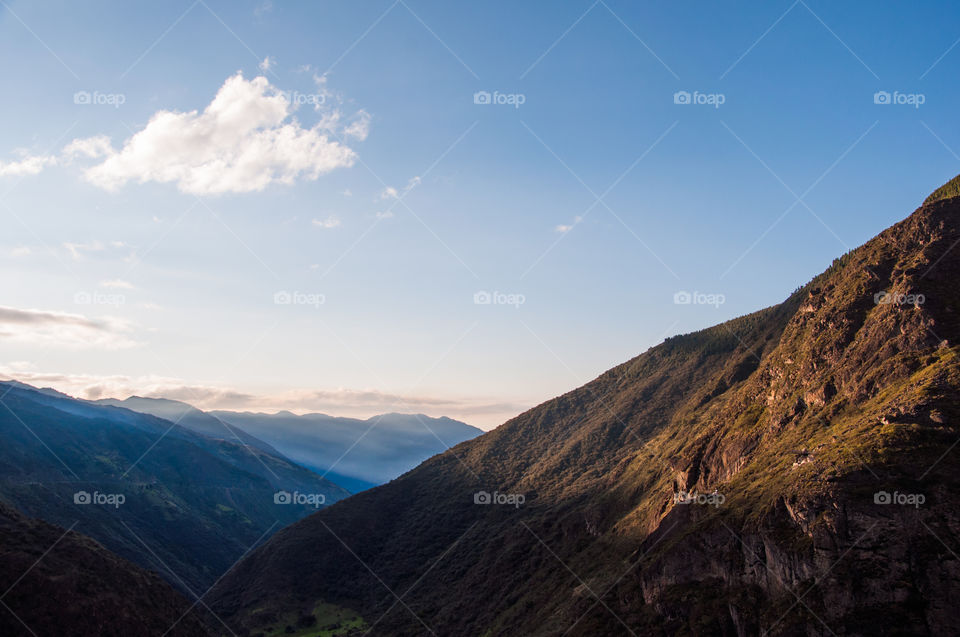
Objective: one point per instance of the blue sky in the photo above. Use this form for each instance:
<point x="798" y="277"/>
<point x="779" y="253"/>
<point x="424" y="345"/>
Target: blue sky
<point x="378" y="198"/>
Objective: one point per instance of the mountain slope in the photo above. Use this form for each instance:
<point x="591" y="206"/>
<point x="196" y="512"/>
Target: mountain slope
<point x="731" y="481"/>
<point x="356" y="454"/>
<point x="189" y="417"/>
<point x="195" y="503"/>
<point x="63" y="583"/>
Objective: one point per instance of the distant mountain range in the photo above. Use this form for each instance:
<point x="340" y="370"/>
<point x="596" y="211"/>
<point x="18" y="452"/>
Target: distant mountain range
<point x="189" y="417"/>
<point x="158" y="494"/>
<point x="356" y="454"/>
<point x="790" y="472"/>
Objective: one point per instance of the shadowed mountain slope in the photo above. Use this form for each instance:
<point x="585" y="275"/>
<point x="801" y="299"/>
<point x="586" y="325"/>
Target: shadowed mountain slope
<point x="57" y="582"/>
<point x="762" y="475"/>
<point x="197" y="503"/>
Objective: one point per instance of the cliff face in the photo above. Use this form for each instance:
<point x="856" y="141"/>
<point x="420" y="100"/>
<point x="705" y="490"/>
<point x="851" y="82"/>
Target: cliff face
<point x="789" y="472"/>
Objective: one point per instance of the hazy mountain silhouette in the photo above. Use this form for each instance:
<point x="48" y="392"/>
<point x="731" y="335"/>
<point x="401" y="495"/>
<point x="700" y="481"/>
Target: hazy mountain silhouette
<point x="356" y="454"/>
<point x="792" y="471"/>
<point x="189" y="417"/>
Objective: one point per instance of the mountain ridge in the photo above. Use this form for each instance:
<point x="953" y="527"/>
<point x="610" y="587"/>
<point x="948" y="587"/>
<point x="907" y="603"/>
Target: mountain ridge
<point x="801" y="417"/>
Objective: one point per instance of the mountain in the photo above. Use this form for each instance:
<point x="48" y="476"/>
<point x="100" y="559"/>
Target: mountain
<point x="153" y="492"/>
<point x="59" y="582"/>
<point x="356" y="454"/>
<point x="790" y="472"/>
<point x="191" y="418"/>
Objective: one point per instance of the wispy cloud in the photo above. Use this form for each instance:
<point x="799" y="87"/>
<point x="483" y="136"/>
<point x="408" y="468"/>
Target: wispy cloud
<point x="564" y="228"/>
<point x="328" y="223"/>
<point x="393" y="193"/>
<point x="80" y="251"/>
<point x="28" y="165"/>
<point x="60" y="329"/>
<point x="118" y="284"/>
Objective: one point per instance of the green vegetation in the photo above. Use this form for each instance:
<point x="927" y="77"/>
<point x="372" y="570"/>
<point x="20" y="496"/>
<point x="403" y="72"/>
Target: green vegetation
<point x="326" y="620"/>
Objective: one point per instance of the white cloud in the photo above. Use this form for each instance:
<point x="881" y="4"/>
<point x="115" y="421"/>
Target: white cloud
<point x="245" y="140"/>
<point x="118" y="284"/>
<point x="563" y="228"/>
<point x="90" y="147"/>
<point x="59" y="329"/>
<point x="266" y="65"/>
<point x="110" y="249"/>
<point x="359" y="128"/>
<point x="329" y="222"/>
<point x="263" y="8"/>
<point x="29" y="165"/>
<point x="392" y="193"/>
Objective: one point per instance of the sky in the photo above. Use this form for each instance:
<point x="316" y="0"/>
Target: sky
<point x="459" y="209"/>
